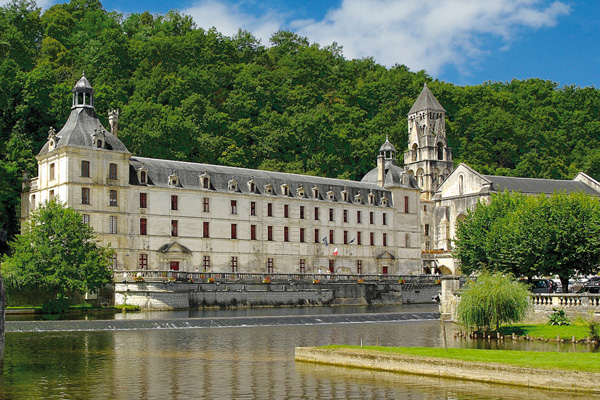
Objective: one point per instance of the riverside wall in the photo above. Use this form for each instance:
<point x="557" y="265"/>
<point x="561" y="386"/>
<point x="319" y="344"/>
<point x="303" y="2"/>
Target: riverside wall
<point x="438" y="367"/>
<point x="181" y="295"/>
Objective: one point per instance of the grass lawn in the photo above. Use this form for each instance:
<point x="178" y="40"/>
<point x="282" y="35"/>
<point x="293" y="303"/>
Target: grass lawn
<point x="587" y="362"/>
<point x="580" y="331"/>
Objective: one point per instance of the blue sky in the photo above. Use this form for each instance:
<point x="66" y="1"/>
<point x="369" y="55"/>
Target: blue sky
<point x="465" y="42"/>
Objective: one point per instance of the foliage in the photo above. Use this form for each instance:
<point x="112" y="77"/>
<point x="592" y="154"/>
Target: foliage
<point x="191" y="94"/>
<point x="492" y="300"/>
<point x="55" y="257"/>
<point x="528" y="236"/>
<point x="594" y="330"/>
<point x="558" y="317"/>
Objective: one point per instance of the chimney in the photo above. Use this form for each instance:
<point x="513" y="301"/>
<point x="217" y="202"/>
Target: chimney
<point x="380" y="169"/>
<point x="113" y="121"/>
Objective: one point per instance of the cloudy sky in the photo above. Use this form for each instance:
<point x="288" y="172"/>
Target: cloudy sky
<point x="459" y="41"/>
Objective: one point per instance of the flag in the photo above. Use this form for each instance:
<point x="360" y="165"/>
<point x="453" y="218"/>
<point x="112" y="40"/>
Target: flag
<point x="335" y="251"/>
<point x="352" y="241"/>
<point x="325" y="241"/>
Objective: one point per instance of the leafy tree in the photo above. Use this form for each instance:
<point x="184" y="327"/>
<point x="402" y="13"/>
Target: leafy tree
<point x="492" y="300"/>
<point x="55" y="256"/>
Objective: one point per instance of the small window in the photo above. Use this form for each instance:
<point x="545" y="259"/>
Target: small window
<point x="143" y="226"/>
<point x="268" y="189"/>
<point x="112" y="198"/>
<point x="407" y="240"/>
<point x="234" y="231"/>
<point x="86" y="219"/>
<point x="300" y="192"/>
<point x="345" y="237"/>
<point x="316" y="213"/>
<point x="143" y="200"/>
<point x="232" y="185"/>
<point x="285" y="189"/>
<point x="301" y="212"/>
<point x="317" y="240"/>
<point x="315" y="191"/>
<point x="205" y="230"/>
<point x="302" y="265"/>
<point x="331" y="214"/>
<point x="286" y="211"/>
<point x="205" y="205"/>
<point x="174" y="202"/>
<point x="344" y="195"/>
<point x="269" y="265"/>
<point x="205" y="181"/>
<point x="286" y="234"/>
<point x="331" y="236"/>
<point x="85" y="169"/>
<point x="174" y="228"/>
<point x="252" y="232"/>
<point x="206" y="263"/>
<point x="358" y="199"/>
<point x="85" y="196"/>
<point x="234" y="206"/>
<point x="372" y="238"/>
<point x="358" y="238"/>
<point x="345" y="215"/>
<point x="426" y="229"/>
<point x="460" y="184"/>
<point x="385" y="239"/>
<point x="143" y="177"/>
<point x="384" y="218"/>
<point x="384" y="201"/>
<point x="331" y="195"/>
<point x="359" y="266"/>
<point x="112" y="171"/>
<point x="143" y="264"/>
<point x="358" y="217"/>
<point x="371" y="217"/>
<point x="406" y="204"/>
<point x="371" y="198"/>
<point x="112" y="225"/>
<point x="270" y="233"/>
<point x="174" y="179"/>
<point x="252" y="208"/>
<point x="252" y="186"/>
<point x="52" y="172"/>
<point x="234" y="264"/>
<point x="269" y="209"/>
<point x="301" y="235"/>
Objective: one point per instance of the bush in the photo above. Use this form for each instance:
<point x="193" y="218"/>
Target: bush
<point x="558" y="317"/>
<point x="492" y="300"/>
<point x="56" y="306"/>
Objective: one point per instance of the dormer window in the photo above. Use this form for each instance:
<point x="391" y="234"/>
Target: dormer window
<point x="232" y="185"/>
<point x="143" y="177"/>
<point x="99" y="138"/>
<point x="269" y="188"/>
<point x="371" y="198"/>
<point x="315" y="191"/>
<point x="330" y="195"/>
<point x="174" y="179"/>
<point x="285" y="189"/>
<point x="384" y="201"/>
<point x="205" y="181"/>
<point x="252" y="185"/>
<point x="358" y="198"/>
<point x="51" y="139"/>
<point x="300" y="192"/>
<point x="345" y="195"/>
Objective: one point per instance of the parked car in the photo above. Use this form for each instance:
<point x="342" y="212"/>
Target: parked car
<point x="592" y="285"/>
<point x="541" y="286"/>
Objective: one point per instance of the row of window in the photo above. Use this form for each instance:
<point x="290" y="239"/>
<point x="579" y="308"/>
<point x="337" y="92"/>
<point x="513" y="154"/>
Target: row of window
<point x="85" y="170"/>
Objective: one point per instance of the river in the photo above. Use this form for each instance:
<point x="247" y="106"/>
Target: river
<point x="250" y="362"/>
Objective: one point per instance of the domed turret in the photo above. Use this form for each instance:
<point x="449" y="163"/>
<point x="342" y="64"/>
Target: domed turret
<point x="83" y="93"/>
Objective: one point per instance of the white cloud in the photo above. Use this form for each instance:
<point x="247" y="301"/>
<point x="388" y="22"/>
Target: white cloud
<point x="428" y="34"/>
<point x="44" y="4"/>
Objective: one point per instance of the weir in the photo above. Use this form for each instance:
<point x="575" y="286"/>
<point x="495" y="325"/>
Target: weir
<point x="217" y="322"/>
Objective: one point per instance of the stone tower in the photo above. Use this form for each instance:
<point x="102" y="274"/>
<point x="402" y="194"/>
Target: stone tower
<point x="428" y="158"/>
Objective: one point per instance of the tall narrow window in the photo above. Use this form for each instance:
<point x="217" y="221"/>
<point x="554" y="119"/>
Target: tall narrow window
<point x="174" y="202"/>
<point x="252" y="232"/>
<point x="316" y="213"/>
<point x="85" y="195"/>
<point x="205" y="230"/>
<point x="206" y="263"/>
<point x="112" y="171"/>
<point x="286" y="211"/>
<point x="345" y="215"/>
<point x="86" y="219"/>
<point x="345" y="237"/>
<point x="234" y="264"/>
<point x="371" y="218"/>
<point x="301" y="235"/>
<point x="384" y="219"/>
<point x="331" y="214"/>
<point x="331" y="266"/>
<point x="358" y="238"/>
<point x="286" y="234"/>
<point x="174" y="226"/>
<point x="358" y="217"/>
<point x="270" y="233"/>
<point x="85" y="169"/>
<point x="317" y="240"/>
<point x="143" y="177"/>
<point x="372" y="238"/>
<point x="359" y="266"/>
<point x="331" y="236"/>
<point x="52" y="172"/>
<point x="143" y="200"/>
<point x="205" y="205"/>
<point x="112" y="198"/>
<point x="33" y="202"/>
<point x="385" y="239"/>
<point x="407" y="240"/>
<point x="269" y="265"/>
<point x="143" y="225"/>
<point x="252" y="208"/>
<point x="234" y="206"/>
<point x="301" y="212"/>
<point x="426" y="229"/>
<point x="302" y="265"/>
<point x="234" y="231"/>
<point x="112" y="224"/>
<point x="143" y="261"/>
<point x="406" y="204"/>
<point x="269" y="209"/>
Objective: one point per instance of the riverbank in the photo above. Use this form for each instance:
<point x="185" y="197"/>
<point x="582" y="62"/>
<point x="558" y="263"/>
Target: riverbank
<point x="547" y="370"/>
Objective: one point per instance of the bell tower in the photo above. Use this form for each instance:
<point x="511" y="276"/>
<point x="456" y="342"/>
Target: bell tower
<point x="428" y="158"/>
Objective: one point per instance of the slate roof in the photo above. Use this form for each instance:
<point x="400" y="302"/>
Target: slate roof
<point x="392" y="177"/>
<point x="535" y="185"/>
<point x="426" y="101"/>
<point x="158" y="172"/>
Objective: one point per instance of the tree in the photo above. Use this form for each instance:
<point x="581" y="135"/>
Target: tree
<point x="528" y="236"/>
<point x="55" y="257"/>
<point x="492" y="300"/>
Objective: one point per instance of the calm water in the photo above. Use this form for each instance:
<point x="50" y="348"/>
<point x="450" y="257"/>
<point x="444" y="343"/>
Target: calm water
<point x="228" y="363"/>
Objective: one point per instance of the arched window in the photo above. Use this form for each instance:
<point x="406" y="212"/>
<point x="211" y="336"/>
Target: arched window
<point x="460" y="184"/>
<point x="414" y="152"/>
<point x="440" y="151"/>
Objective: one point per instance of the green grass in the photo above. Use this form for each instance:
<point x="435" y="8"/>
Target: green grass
<point x="580" y="331"/>
<point x="586" y="362"/>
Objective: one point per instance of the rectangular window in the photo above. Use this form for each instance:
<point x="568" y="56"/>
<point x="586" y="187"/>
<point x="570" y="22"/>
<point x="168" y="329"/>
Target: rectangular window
<point x="358" y="238"/>
<point x="269" y="209"/>
<point x="358" y="219"/>
<point x="301" y="212"/>
<point x="143" y="200"/>
<point x="345" y="237"/>
<point x="33" y="202"/>
<point x="252" y="208"/>
<point x="234" y="231"/>
<point x="174" y="202"/>
<point x="206" y="263"/>
<point x="112" y="171"/>
<point x="112" y="198"/>
<point x="85" y="196"/>
<point x="205" y="230"/>
<point x="286" y="211"/>
<point x="234" y="206"/>
<point x="317" y="240"/>
<point x="112" y="224"/>
<point x="286" y="234"/>
<point x="269" y="265"/>
<point x="384" y="219"/>
<point x="406" y="204"/>
<point x="143" y="225"/>
<point x="52" y="172"/>
<point x="384" y="270"/>
<point x="234" y="264"/>
<point x="331" y="236"/>
<point x="51" y="194"/>
<point x="331" y="266"/>
<point x="359" y="266"/>
<point x="270" y="233"/>
<point x="345" y="215"/>
<point x="371" y="218"/>
<point x="385" y="239"/>
<point x="86" y="219"/>
<point x="331" y="214"/>
<point x="143" y="261"/>
<point x="301" y="235"/>
<point x="174" y="226"/>
<point x="174" y="265"/>
<point x="252" y="232"/>
<point x="302" y="265"/>
<point x="316" y="213"/>
<point x="372" y="238"/>
<point x="205" y="205"/>
<point x="426" y="229"/>
<point x="85" y="169"/>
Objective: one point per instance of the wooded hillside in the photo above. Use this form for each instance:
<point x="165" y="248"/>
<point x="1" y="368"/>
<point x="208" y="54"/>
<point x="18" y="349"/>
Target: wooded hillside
<point x="186" y="93"/>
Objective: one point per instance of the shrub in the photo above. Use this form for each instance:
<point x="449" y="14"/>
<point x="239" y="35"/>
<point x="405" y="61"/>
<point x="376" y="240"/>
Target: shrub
<point x="558" y="317"/>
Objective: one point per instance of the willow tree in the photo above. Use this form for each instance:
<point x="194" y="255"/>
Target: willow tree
<point x="492" y="300"/>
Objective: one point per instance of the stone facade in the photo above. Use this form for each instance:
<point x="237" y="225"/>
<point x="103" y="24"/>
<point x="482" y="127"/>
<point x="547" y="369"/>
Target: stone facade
<point x="163" y="214"/>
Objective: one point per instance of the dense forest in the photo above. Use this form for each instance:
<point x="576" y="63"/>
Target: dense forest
<point x="188" y="93"/>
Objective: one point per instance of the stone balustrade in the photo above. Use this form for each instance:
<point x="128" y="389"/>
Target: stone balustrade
<point x="543" y="301"/>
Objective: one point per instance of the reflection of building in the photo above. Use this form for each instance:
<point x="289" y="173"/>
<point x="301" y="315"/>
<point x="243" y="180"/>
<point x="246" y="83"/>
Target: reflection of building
<point x="161" y="214"/>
